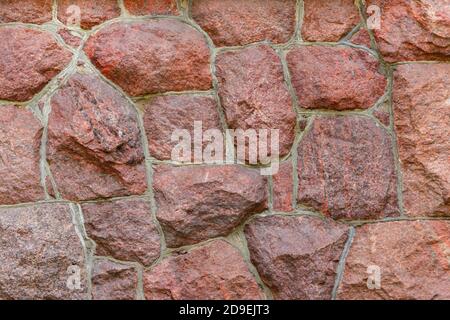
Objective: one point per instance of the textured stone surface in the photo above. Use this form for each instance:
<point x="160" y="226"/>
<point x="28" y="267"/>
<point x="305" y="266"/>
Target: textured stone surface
<point x="253" y="92"/>
<point x="113" y="281"/>
<point x="20" y="139"/>
<point x="413" y="257"/>
<point x="92" y="13"/>
<point x="27" y="11"/>
<point x="38" y="245"/>
<point x="70" y="37"/>
<point x="214" y="271"/>
<point x="283" y="187"/>
<point x="346" y="169"/>
<point x="94" y="143"/>
<point x="195" y="203"/>
<point x="152" y="56"/>
<point x="30" y="59"/>
<point x="234" y="22"/>
<point x="123" y="229"/>
<point x="165" y="114"/>
<point x="382" y="114"/>
<point x="296" y="257"/>
<point x="337" y="78"/>
<point x="326" y="20"/>
<point x="362" y="38"/>
<point x="145" y="7"/>
<point x="413" y="30"/>
<point x="421" y="103"/>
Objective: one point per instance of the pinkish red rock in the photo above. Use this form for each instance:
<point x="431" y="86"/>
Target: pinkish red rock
<point x="41" y="254"/>
<point x="254" y="94"/>
<point x="94" y="145"/>
<point x="28" y="11"/>
<point x="20" y="140"/>
<point x="165" y="114"/>
<point x="152" y="56"/>
<point x="123" y="229"/>
<point x="413" y="30"/>
<point x="339" y="78"/>
<point x="362" y="38"/>
<point x="296" y="256"/>
<point x="215" y="271"/>
<point x="421" y="104"/>
<point x="30" y="59"/>
<point x="346" y="169"/>
<point x="235" y="23"/>
<point x="113" y="281"/>
<point x="145" y="7"/>
<point x="328" y="21"/>
<point x="412" y="258"/>
<point x="283" y="187"/>
<point x="382" y="114"/>
<point x="196" y="203"/>
<point x="92" y="13"/>
<point x="70" y="37"/>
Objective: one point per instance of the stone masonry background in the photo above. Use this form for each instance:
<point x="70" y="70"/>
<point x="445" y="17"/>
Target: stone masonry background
<point x="92" y="207"/>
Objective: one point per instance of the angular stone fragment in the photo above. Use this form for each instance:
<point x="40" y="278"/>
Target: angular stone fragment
<point x="26" y="11"/>
<point x="94" y="145"/>
<point x="41" y="254"/>
<point x="362" y="37"/>
<point x="215" y="271"/>
<point x="20" y="140"/>
<point x="92" y="13"/>
<point x="145" y="7"/>
<point x="382" y="114"/>
<point x="412" y="259"/>
<point x="339" y="78"/>
<point x="413" y="30"/>
<point x="152" y="56"/>
<point x="30" y="59"/>
<point x="113" y="281"/>
<point x="70" y="37"/>
<point x="283" y="187"/>
<point x="165" y="114"/>
<point x="296" y="257"/>
<point x="421" y="103"/>
<point x="235" y="22"/>
<point x="195" y="203"/>
<point x="326" y="20"/>
<point x="123" y="229"/>
<point x="254" y="94"/>
<point x="346" y="169"/>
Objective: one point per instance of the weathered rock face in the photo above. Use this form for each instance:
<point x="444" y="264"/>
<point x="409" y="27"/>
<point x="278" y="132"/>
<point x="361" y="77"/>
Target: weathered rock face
<point x="20" y="139"/>
<point x="145" y="7"/>
<point x="325" y="20"/>
<point x="382" y="114"/>
<point x="113" y="281"/>
<point x="30" y="59"/>
<point x="421" y="103"/>
<point x="165" y="114"/>
<point x="94" y="143"/>
<point x="412" y="257"/>
<point x="214" y="271"/>
<point x="153" y="56"/>
<point x="123" y="229"/>
<point x="346" y="169"/>
<point x="413" y="30"/>
<point x="30" y="11"/>
<point x="70" y="37"/>
<point x="234" y="22"/>
<point x="339" y="78"/>
<point x="200" y="202"/>
<point x="92" y="13"/>
<point x="38" y="248"/>
<point x="362" y="37"/>
<point x="253" y="93"/>
<point x="297" y="257"/>
<point x="283" y="187"/>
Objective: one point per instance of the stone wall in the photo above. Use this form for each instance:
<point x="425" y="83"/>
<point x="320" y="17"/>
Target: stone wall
<point x="93" y="207"/>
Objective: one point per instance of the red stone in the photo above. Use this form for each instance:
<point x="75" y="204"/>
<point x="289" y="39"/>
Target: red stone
<point x="146" y="7"/>
<point x="339" y="78"/>
<point x="94" y="144"/>
<point x="296" y="256"/>
<point x="283" y="187"/>
<point x="346" y="169"/>
<point x="362" y="37"/>
<point x="92" y="13"/>
<point x="195" y="203"/>
<point x="30" y="59"/>
<point x="412" y="258"/>
<point x="152" y="56"/>
<point x="382" y="114"/>
<point x="26" y="11"/>
<point x="70" y="37"/>
<point x="215" y="271"/>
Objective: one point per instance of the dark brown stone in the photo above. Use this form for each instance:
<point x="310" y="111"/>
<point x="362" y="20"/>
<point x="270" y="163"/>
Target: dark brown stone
<point x="145" y="7"/>
<point x="27" y="11"/>
<point x="92" y="13"/>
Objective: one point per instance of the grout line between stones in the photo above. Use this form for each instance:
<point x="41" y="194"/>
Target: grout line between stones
<point x="341" y="265"/>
